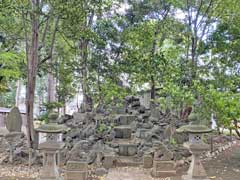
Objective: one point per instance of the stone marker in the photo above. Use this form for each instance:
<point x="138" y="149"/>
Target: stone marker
<point x="147" y="161"/>
<point x="76" y="170"/>
<point x="14" y="120"/>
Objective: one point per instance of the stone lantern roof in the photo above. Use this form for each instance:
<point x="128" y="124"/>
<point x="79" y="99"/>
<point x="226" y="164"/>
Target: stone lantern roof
<point x="52" y="126"/>
<point x="194" y="128"/>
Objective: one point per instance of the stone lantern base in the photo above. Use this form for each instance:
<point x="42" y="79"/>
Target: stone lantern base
<point x="196" y="170"/>
<point x="187" y="177"/>
<point x="50" y="169"/>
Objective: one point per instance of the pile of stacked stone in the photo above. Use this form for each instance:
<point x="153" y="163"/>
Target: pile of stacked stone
<point x="124" y="139"/>
<point x="122" y="136"/>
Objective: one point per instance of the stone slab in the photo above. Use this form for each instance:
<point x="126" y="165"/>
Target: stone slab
<point x="123" y="132"/>
<point x="76" y="175"/>
<point x="127" y="149"/>
<point x="76" y="170"/>
<point x="163" y="169"/>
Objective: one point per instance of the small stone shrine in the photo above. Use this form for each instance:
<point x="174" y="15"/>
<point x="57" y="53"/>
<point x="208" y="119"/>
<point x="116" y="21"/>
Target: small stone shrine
<point x="196" y="145"/>
<point x="50" y="148"/>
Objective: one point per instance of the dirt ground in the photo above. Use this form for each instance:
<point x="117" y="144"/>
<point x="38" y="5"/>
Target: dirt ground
<point x="225" y="166"/>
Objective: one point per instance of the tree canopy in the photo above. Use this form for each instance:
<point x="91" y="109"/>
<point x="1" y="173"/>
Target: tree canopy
<point x="186" y="52"/>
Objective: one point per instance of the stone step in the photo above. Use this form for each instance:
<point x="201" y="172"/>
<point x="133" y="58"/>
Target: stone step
<point x="123" y="161"/>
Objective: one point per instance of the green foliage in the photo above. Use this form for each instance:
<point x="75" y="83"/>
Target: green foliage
<point x="52" y="105"/>
<point x="97" y="46"/>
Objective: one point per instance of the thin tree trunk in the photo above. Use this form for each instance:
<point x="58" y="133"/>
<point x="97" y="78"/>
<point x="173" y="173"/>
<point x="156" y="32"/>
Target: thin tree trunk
<point x="51" y="83"/>
<point x="18" y="91"/>
<point x="32" y="72"/>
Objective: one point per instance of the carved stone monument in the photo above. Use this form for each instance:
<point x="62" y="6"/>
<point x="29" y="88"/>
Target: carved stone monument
<point x="14" y="120"/>
<point x="14" y="126"/>
<point x="196" y="170"/>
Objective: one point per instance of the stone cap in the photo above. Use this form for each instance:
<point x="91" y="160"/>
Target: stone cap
<point x="52" y="128"/>
<point x="194" y="128"/>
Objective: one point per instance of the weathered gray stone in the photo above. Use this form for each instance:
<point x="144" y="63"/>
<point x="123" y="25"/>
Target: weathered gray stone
<point x="13" y="139"/>
<point x="124" y="119"/>
<point x="123" y="132"/>
<point x="76" y="170"/>
<point x="162" y="152"/>
<point x="50" y="169"/>
<point x="101" y="171"/>
<point x="155" y="113"/>
<point x="14" y="120"/>
<point x="147" y="161"/>
<point x="141" y="133"/>
<point x="108" y="161"/>
<point x="163" y="168"/>
<point x="126" y="149"/>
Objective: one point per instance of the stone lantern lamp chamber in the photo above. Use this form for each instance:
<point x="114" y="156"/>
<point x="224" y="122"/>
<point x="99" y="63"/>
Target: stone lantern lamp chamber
<point x="196" y="145"/>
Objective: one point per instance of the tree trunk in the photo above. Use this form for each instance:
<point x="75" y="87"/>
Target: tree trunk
<point x="51" y="83"/>
<point x="18" y="91"/>
<point x="84" y="56"/>
<point x="32" y="72"/>
<point x="51" y="88"/>
<point x="153" y="94"/>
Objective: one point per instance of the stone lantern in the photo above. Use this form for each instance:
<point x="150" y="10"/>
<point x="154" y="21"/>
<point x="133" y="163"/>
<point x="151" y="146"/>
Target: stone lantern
<point x="51" y="147"/>
<point x="197" y="147"/>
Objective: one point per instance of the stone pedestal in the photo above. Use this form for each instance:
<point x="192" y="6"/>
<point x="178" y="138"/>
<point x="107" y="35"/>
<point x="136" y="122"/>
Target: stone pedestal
<point x="76" y="170"/>
<point x="12" y="139"/>
<point x="163" y="168"/>
<point x="50" y="169"/>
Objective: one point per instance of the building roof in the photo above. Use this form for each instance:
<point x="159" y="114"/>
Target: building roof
<point x="7" y="110"/>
